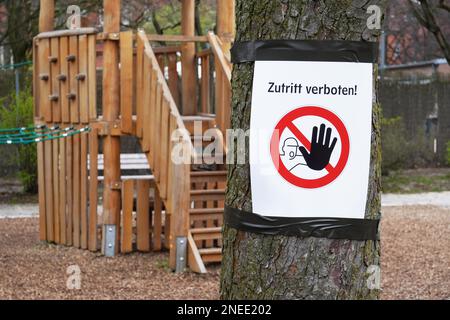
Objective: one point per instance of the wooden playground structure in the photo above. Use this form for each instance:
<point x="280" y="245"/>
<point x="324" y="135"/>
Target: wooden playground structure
<point x="179" y="206"/>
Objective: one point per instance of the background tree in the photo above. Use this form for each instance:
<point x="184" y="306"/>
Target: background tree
<point x="19" y="22"/>
<point x="431" y="14"/>
<point x="258" y="266"/>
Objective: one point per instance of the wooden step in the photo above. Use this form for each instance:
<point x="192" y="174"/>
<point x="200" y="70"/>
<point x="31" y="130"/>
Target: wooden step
<point x="208" y="176"/>
<point x="206" y="214"/>
<point x="208" y="195"/>
<point x="206" y="233"/>
<point x="208" y="122"/>
<point x="211" y="254"/>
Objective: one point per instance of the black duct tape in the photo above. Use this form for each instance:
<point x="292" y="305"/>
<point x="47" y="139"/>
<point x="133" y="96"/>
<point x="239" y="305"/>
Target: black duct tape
<point x="305" y="50"/>
<point x="331" y="228"/>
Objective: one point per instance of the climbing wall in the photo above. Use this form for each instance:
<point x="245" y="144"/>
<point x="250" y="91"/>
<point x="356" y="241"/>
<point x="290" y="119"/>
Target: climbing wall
<point x="65" y="96"/>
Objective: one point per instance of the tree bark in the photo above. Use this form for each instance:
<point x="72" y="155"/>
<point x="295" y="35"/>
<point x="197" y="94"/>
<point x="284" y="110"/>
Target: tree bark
<point x="258" y="266"/>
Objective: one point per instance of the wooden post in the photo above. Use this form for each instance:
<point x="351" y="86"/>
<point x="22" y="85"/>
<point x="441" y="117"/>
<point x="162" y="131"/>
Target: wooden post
<point x="189" y="79"/>
<point x="46" y="15"/>
<point x="226" y="31"/>
<point x="111" y="107"/>
<point x="225" y="22"/>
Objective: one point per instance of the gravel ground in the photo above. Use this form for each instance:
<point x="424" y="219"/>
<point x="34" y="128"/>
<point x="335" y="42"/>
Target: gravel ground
<point x="415" y="252"/>
<point x="415" y="264"/>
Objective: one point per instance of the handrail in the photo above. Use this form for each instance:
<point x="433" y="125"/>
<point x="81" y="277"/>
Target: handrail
<point x="166" y="91"/>
<point x="218" y="53"/>
<point x="64" y="33"/>
<point x="167" y="50"/>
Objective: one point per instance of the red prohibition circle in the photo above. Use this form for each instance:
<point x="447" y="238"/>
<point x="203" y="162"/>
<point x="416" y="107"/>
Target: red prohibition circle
<point x="333" y="172"/>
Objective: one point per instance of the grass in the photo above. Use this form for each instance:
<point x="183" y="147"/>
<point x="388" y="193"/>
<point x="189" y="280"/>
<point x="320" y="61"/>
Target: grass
<point x="417" y="181"/>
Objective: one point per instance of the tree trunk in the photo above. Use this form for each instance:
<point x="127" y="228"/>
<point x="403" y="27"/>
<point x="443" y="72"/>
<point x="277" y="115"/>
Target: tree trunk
<point x="258" y="266"/>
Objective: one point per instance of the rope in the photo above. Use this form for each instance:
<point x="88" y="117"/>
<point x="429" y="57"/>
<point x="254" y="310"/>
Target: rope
<point x="26" y="136"/>
<point x="16" y="65"/>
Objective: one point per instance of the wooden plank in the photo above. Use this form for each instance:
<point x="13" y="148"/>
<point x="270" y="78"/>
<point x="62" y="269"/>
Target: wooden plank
<point x="176" y="38"/>
<point x="152" y="123"/>
<point x="42" y="190"/>
<point x="49" y="190"/>
<point x="64" y="82"/>
<point x="93" y="189"/>
<point x="56" y="191"/>
<point x="210" y="222"/>
<point x="127" y="216"/>
<point x="62" y="189"/>
<point x="173" y="77"/>
<point x="157" y="222"/>
<point x="161" y="57"/>
<point x="65" y="33"/>
<point x="167" y="49"/>
<point x="139" y="87"/>
<point x="164" y="150"/>
<point x="55" y="71"/>
<point x="69" y="189"/>
<point x="195" y="261"/>
<point x="157" y="133"/>
<point x="154" y="129"/>
<point x="76" y="192"/>
<point x="205" y="85"/>
<point x="126" y="80"/>
<point x="44" y="80"/>
<point x="167" y="228"/>
<point x="36" y="80"/>
<point x="92" y="76"/>
<point x="148" y="82"/>
<point x="83" y="90"/>
<point x="170" y="171"/>
<point x="204" y="53"/>
<point x="180" y="206"/>
<point x="84" y="191"/>
<point x="143" y="218"/>
<point x="73" y="83"/>
<point x="219" y="96"/>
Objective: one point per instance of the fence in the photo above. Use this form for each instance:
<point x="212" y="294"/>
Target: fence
<point x="424" y="108"/>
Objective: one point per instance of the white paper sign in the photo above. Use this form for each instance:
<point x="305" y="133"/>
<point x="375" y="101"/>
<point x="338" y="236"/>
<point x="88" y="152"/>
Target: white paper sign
<point x="310" y="138"/>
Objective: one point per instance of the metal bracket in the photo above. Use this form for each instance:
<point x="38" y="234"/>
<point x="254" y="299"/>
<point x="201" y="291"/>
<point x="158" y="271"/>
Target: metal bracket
<point x="109" y="36"/>
<point x="109" y="240"/>
<point x="181" y="254"/>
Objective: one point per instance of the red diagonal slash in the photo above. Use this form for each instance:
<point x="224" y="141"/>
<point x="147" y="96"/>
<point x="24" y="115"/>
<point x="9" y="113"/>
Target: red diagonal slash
<point x="304" y="141"/>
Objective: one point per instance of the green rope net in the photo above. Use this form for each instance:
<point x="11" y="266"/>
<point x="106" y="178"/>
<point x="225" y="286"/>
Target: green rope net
<point x="37" y="134"/>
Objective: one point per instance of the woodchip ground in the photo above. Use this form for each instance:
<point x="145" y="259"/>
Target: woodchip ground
<point x="415" y="264"/>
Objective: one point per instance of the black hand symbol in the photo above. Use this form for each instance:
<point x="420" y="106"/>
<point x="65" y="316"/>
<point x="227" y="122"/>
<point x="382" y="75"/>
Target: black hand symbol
<point x="321" y="150"/>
